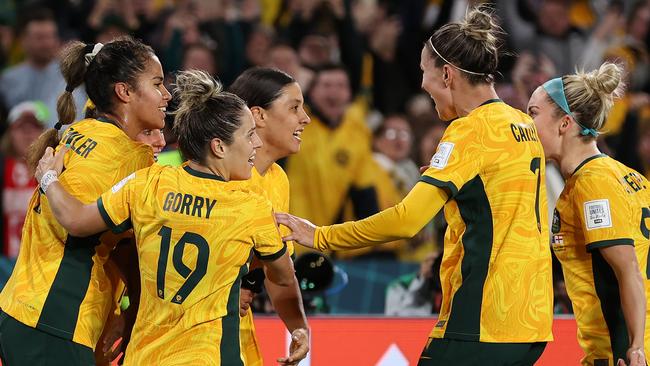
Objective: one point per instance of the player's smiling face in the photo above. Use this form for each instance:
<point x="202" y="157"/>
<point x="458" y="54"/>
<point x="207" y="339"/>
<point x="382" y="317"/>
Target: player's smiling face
<point x="330" y="93"/>
<point x="434" y="85"/>
<point x="151" y="96"/>
<point x="241" y="153"/>
<point x="283" y="122"/>
<point x="154" y="138"/>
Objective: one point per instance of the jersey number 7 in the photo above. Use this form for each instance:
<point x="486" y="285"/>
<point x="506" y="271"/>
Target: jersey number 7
<point x="192" y="278"/>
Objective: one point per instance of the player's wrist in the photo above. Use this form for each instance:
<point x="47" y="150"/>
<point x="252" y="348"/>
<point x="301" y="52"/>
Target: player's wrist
<point x="47" y="179"/>
<point x="636" y="348"/>
<point x="296" y="333"/>
<point x="254" y="280"/>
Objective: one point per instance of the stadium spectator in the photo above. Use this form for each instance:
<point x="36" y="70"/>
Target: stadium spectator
<point x="416" y="294"/>
<point x="335" y="164"/>
<point x="396" y="172"/>
<point x="26" y="121"/>
<point x="393" y="142"/>
<point x="631" y="51"/>
<point x="528" y="73"/>
<point x="545" y="28"/>
<point x="38" y="77"/>
<point x="199" y="56"/>
<point x="285" y="58"/>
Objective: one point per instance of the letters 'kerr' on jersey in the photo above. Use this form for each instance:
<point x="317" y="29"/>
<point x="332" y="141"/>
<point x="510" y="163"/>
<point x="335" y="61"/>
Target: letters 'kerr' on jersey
<point x="59" y="285"/>
<point x="603" y="204"/>
<point x="194" y="237"/>
<point x="496" y="268"/>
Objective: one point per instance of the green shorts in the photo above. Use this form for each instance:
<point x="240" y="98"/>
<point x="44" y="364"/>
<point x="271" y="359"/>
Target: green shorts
<point x="24" y="345"/>
<point x="441" y="351"/>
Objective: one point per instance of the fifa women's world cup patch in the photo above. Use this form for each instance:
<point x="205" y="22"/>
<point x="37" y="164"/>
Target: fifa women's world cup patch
<point x="441" y="157"/>
<point x="597" y="214"/>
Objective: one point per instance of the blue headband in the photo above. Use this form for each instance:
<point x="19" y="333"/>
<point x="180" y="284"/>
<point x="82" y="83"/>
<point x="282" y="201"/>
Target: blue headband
<point x="555" y="90"/>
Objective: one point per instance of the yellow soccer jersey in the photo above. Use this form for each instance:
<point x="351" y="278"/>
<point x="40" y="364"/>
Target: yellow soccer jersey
<point x="59" y="284"/>
<point x="274" y="186"/>
<point x="604" y="203"/>
<point x="331" y="162"/>
<point x="194" y="238"/>
<point x="496" y="268"/>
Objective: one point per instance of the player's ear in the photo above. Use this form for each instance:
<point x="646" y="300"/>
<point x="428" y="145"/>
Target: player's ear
<point x="122" y="92"/>
<point x="259" y="115"/>
<point x="447" y="75"/>
<point x="218" y="148"/>
<point x="565" y="124"/>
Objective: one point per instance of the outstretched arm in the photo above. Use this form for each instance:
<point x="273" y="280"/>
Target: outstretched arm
<point x="75" y="217"/>
<point x="401" y="221"/>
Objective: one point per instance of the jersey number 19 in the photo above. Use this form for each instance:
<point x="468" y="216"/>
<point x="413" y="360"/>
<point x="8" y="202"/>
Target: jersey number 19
<point x="192" y="278"/>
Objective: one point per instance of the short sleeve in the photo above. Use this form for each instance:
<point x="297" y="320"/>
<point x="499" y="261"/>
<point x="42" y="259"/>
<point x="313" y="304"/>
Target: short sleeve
<point x="604" y="213"/>
<point x="267" y="244"/>
<point x="115" y="204"/>
<point x="458" y="157"/>
<point x="89" y="177"/>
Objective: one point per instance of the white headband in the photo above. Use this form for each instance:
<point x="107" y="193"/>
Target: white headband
<point x="456" y="67"/>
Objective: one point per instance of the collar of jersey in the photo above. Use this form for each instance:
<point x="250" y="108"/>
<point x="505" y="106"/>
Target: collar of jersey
<point x="588" y="160"/>
<point x="106" y="120"/>
<point x="199" y="174"/>
<point x="489" y="101"/>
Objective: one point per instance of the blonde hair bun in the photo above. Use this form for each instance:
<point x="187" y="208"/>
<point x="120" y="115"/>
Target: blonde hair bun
<point x="591" y="94"/>
<point x="195" y="87"/>
<point x="480" y="24"/>
<point x="606" y="80"/>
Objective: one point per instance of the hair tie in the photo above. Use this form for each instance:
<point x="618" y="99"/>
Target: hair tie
<point x="69" y="88"/>
<point x="555" y="89"/>
<point x="58" y="125"/>
<point x="90" y="51"/>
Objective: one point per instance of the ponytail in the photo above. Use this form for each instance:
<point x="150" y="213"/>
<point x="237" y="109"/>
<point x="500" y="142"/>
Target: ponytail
<point x="74" y="61"/>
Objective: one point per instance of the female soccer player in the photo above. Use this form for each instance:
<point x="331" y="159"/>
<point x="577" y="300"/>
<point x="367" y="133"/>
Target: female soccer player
<point x="194" y="233"/>
<point x="488" y="173"/>
<point x="58" y="295"/>
<point x="599" y="229"/>
<point x="276" y="101"/>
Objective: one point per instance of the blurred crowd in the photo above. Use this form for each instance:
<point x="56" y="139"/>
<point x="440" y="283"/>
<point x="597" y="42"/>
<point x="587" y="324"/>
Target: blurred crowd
<point x="358" y="64"/>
